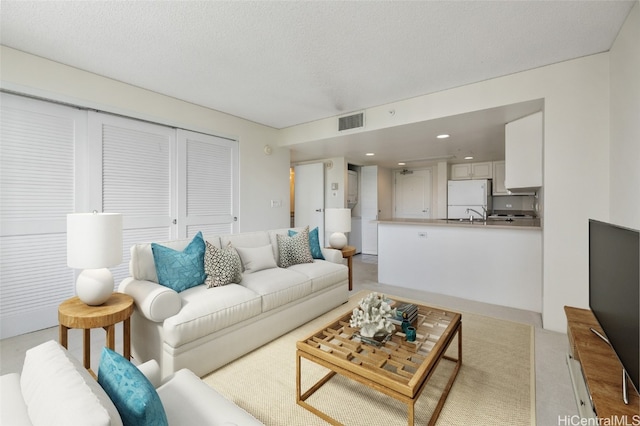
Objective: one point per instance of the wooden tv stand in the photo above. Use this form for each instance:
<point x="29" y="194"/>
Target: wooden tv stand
<point x="601" y="368"/>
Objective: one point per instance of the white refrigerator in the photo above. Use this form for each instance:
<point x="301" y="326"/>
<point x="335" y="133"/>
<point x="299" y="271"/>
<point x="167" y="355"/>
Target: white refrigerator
<point x="468" y="194"/>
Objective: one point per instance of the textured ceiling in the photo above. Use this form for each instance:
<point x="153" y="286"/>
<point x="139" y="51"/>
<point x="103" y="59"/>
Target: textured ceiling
<point x="285" y="63"/>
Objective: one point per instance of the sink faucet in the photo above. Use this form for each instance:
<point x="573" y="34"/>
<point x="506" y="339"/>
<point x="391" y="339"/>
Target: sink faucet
<point x="483" y="215"/>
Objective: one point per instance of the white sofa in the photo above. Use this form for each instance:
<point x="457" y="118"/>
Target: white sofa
<point x="204" y="328"/>
<point x="55" y="389"/>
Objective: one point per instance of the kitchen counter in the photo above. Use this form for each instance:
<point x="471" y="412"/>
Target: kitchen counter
<point x="495" y="262"/>
<point x="533" y="224"/>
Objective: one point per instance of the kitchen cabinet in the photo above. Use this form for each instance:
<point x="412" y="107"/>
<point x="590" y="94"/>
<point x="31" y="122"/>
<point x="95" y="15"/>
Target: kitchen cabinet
<point x="482" y="170"/>
<point x="498" y="179"/>
<point x="523" y="153"/>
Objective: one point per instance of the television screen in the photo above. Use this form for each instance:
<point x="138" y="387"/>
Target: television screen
<point x="614" y="290"/>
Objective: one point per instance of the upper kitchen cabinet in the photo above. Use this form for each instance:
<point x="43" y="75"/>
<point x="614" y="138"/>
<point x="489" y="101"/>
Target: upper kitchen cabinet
<point x="498" y="179"/>
<point x="523" y="154"/>
<point x="472" y="171"/>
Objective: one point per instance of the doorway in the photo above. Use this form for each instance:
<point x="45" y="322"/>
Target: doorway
<point x="413" y="194"/>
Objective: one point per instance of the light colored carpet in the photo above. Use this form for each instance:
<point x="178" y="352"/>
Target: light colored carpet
<point x="495" y="385"/>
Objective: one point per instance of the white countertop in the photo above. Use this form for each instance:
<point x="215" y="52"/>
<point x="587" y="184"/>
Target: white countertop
<point x="533" y="224"/>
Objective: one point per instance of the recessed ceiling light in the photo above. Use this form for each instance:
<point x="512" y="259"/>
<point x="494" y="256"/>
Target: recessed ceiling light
<point x="468" y="158"/>
<point x="442" y="136"/>
<point x="370" y="154"/>
<point x="402" y="164"/>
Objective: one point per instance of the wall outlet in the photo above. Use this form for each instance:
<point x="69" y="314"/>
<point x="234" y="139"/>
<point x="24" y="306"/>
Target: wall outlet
<point x="276" y="203"/>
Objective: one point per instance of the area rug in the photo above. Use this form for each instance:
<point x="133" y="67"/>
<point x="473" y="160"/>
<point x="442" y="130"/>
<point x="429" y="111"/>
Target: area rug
<point x="495" y="385"/>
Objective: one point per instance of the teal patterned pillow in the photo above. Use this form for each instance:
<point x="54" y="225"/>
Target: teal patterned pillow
<point x="130" y="391"/>
<point x="294" y="250"/>
<point x="314" y="243"/>
<point x="180" y="270"/>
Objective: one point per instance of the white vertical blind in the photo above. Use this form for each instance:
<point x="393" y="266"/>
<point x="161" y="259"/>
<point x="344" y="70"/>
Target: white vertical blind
<point x="38" y="145"/>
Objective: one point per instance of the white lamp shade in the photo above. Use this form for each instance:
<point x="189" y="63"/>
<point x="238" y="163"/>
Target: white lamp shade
<point x="94" y="240"/>
<point x="337" y="220"/>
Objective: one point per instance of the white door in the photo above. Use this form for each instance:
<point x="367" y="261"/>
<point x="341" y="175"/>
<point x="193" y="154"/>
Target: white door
<point x="41" y="153"/>
<point x="309" y="197"/>
<point x="133" y="172"/>
<point x="207" y="196"/>
<point x="413" y="194"/>
<point x="369" y="206"/>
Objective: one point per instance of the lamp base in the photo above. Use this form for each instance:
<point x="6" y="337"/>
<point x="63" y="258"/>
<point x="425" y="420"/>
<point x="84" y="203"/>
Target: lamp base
<point x="94" y="286"/>
<point x="338" y="240"/>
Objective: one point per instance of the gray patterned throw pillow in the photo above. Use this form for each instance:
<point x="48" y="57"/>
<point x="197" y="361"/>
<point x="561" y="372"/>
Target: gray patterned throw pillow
<point x="294" y="250"/>
<point x="222" y="266"/>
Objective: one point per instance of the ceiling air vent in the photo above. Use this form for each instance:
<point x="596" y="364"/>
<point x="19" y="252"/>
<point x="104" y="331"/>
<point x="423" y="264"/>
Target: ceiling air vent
<point x="349" y="122"/>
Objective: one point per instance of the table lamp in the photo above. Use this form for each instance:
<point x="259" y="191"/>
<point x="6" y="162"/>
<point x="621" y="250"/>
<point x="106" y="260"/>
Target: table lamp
<point x="338" y="221"/>
<point x="94" y="243"/>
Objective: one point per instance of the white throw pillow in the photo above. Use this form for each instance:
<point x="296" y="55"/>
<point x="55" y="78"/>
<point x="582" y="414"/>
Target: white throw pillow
<point x="255" y="259"/>
<point x="58" y="390"/>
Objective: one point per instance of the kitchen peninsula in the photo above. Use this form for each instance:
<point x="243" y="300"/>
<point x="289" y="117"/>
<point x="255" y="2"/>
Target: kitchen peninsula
<point x="493" y="261"/>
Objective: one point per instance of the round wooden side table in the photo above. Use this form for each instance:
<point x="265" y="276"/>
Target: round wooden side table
<point x="73" y="313"/>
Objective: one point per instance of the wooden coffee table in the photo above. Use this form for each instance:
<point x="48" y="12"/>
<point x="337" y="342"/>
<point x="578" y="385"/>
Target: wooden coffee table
<point x="397" y="368"/>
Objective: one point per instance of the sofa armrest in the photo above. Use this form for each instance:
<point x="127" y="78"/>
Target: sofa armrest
<point x="332" y="255"/>
<point x="156" y="302"/>
<point x="151" y="370"/>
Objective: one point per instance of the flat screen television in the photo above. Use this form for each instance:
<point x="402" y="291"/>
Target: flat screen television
<point x="614" y="290"/>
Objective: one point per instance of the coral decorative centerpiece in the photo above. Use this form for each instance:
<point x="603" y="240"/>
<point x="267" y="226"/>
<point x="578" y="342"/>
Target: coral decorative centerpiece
<point x="373" y="316"/>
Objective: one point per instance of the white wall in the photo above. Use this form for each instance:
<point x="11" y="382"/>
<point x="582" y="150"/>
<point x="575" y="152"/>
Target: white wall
<point x="576" y="152"/>
<point x="625" y="124"/>
<point x="262" y="177"/>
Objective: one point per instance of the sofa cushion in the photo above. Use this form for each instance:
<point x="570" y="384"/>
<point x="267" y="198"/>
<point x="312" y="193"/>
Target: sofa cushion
<point x="207" y="310"/>
<point x="190" y="401"/>
<point x="180" y="270"/>
<point x="58" y="390"/>
<point x="222" y="266"/>
<point x="13" y="410"/>
<point x="277" y="286"/>
<point x="314" y="243"/>
<point x="322" y="273"/>
<point x="294" y="250"/>
<point x="256" y="259"/>
<point x="133" y="394"/>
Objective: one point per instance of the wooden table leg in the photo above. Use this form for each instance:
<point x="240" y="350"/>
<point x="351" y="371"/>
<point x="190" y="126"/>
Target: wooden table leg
<point x="86" y="344"/>
<point x="411" y="415"/>
<point x="111" y="336"/>
<point x="350" y="264"/>
<point x="63" y="336"/>
<point x="127" y="338"/>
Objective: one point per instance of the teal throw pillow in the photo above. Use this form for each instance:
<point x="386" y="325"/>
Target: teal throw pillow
<point x="314" y="243"/>
<point x="180" y="270"/>
<point x="130" y="391"/>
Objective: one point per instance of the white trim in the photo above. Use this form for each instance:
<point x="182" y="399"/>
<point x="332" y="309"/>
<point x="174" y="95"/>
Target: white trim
<point x="70" y="101"/>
